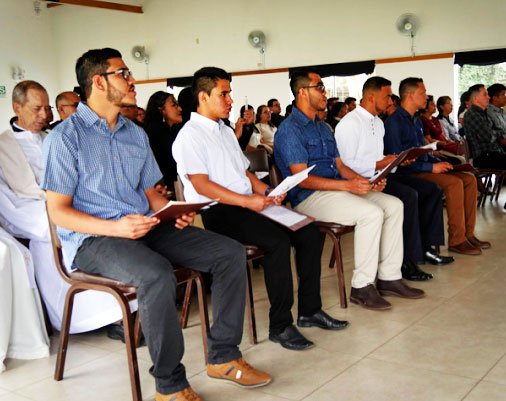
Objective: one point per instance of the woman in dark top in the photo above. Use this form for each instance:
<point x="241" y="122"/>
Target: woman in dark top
<point x="162" y="123"/>
<point x="245" y="127"/>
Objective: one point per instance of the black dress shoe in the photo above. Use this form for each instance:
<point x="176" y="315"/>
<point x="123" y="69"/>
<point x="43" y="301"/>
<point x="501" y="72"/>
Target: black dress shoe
<point x="291" y="338"/>
<point x="117" y="332"/>
<point x="322" y="320"/>
<point x="433" y="257"/>
<point x="410" y="271"/>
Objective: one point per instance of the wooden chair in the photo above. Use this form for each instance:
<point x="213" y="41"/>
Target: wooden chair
<point x="252" y="253"/>
<point x="258" y="159"/>
<point x="486" y="175"/>
<point x="335" y="231"/>
<point x="124" y="293"/>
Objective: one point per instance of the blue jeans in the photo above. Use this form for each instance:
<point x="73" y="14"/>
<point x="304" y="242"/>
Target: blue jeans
<point x="147" y="262"/>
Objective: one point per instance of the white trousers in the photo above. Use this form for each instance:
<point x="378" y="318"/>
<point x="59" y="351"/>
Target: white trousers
<point x="377" y="218"/>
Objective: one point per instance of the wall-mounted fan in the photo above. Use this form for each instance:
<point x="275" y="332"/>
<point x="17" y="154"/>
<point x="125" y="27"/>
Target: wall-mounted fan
<point x="139" y="54"/>
<point x="408" y="24"/>
<point x="257" y="40"/>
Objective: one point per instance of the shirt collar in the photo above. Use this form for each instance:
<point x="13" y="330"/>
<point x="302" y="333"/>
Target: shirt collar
<point x="207" y="122"/>
<point x="364" y="113"/>
<point x="495" y="109"/>
<point x="403" y="112"/>
<point x="476" y="108"/>
<point x="301" y="117"/>
<point x="91" y="118"/>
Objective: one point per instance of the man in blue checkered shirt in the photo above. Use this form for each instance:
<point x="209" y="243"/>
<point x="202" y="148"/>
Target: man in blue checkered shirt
<point x="100" y="176"/>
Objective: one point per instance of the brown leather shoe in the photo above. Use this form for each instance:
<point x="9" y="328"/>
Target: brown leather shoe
<point x="186" y="394"/>
<point x="479" y="244"/>
<point x="399" y="289"/>
<point x="369" y="298"/>
<point x="465" y="248"/>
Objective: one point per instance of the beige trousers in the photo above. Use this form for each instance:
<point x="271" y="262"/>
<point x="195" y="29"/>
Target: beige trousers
<point x="378" y="230"/>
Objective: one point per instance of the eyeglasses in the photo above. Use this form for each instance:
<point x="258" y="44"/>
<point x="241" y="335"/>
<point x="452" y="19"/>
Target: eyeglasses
<point x="70" y="105"/>
<point x="319" y="87"/>
<point x="124" y="72"/>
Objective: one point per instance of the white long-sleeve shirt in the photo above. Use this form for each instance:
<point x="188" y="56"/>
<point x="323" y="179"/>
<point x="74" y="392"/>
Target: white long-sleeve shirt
<point x="359" y="138"/>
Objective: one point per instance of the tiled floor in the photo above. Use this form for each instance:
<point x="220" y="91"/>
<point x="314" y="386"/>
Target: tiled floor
<point x="448" y="346"/>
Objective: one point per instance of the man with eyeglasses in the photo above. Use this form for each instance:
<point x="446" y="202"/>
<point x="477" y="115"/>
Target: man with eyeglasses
<point x="66" y="105"/>
<point x="99" y="176"/>
<point x="23" y="210"/>
<point x="335" y="193"/>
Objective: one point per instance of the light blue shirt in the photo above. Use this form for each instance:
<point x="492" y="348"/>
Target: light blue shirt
<point x="106" y="172"/>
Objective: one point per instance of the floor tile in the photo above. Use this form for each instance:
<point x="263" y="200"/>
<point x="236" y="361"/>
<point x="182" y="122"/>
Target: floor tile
<point x="486" y="391"/>
<point x="498" y="372"/>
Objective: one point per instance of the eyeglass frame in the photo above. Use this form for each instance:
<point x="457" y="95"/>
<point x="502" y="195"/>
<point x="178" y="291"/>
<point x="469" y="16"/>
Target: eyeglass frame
<point x="125" y="73"/>
<point x="321" y="87"/>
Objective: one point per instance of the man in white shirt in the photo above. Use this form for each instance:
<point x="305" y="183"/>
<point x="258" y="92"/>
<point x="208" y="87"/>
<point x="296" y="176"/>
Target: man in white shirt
<point x="212" y="166"/>
<point x="359" y="139"/>
<point x="23" y="210"/>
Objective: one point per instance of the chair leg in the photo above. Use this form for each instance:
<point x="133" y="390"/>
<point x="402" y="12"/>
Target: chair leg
<point x="137" y="329"/>
<point x="340" y="271"/>
<point x="332" y="262"/>
<point x="130" y="340"/>
<point x="203" y="312"/>
<point x="250" y="308"/>
<point x="64" y="333"/>
<point x="185" y="310"/>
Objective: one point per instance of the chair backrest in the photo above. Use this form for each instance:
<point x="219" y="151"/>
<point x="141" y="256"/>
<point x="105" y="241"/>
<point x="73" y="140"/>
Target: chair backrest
<point x="467" y="152"/>
<point x="179" y="189"/>
<point x="258" y="160"/>
<point x="275" y="176"/>
<point x="57" y="250"/>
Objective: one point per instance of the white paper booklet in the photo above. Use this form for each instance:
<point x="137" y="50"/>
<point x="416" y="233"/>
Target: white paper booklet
<point x="291" y="181"/>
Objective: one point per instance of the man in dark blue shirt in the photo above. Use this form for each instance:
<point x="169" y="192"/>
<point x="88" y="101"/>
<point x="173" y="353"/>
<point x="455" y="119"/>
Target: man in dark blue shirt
<point x="404" y="130"/>
<point x="335" y="193"/>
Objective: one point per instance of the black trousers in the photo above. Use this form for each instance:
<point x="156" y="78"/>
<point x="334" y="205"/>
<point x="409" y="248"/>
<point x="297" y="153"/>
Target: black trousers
<point x="423" y="213"/>
<point x="147" y="264"/>
<point x="249" y="227"/>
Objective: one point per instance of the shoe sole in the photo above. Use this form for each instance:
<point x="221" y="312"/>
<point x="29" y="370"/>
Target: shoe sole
<point x="439" y="263"/>
<point x="417" y="279"/>
<point x="358" y="302"/>
<point x="465" y="253"/>
<point x="306" y="325"/>
<point x="291" y="349"/>
<point x="396" y="294"/>
<point x="229" y="381"/>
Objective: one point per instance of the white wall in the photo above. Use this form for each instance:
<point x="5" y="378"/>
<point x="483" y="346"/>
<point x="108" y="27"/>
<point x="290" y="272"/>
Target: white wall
<point x="183" y="36"/>
<point x="26" y="40"/>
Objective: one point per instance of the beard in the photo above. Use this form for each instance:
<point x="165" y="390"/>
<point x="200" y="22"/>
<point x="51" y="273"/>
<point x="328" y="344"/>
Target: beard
<point x="115" y="96"/>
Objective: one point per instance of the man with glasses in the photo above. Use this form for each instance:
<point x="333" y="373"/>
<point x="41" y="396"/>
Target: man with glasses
<point x="335" y="193"/>
<point x="23" y="210"/>
<point x="275" y="108"/>
<point x="66" y="105"/>
<point x="99" y="176"/>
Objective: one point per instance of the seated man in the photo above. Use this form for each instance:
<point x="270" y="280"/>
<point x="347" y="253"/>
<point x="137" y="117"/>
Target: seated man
<point x="212" y="166"/>
<point x="403" y="130"/>
<point x="359" y="138"/>
<point x="66" y="105"/>
<point x="335" y="193"/>
<point x="23" y="211"/>
<point x="99" y="176"/>
<point x="486" y="137"/>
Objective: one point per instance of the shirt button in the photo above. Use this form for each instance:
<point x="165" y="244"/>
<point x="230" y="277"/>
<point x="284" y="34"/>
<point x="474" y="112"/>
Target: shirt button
<point x="115" y="157"/>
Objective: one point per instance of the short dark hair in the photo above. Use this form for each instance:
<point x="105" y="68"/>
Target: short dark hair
<point x="349" y="100"/>
<point x="408" y="85"/>
<point x="93" y="62"/>
<point x="271" y="102"/>
<point x="300" y="78"/>
<point x="372" y="84"/>
<point x="495" y="89"/>
<point x="441" y="101"/>
<point x="474" y="90"/>
<point x="21" y="90"/>
<point x="205" y="80"/>
<point x="243" y="109"/>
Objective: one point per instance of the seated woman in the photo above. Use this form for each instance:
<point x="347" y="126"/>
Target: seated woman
<point x="245" y="127"/>
<point x="162" y="124"/>
<point x="266" y="128"/>
<point x="336" y="113"/>
<point x="433" y="132"/>
<point x="445" y="107"/>
<point x="22" y="330"/>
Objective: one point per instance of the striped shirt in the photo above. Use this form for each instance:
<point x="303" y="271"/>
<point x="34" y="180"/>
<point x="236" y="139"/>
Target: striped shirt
<point x="106" y="172"/>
